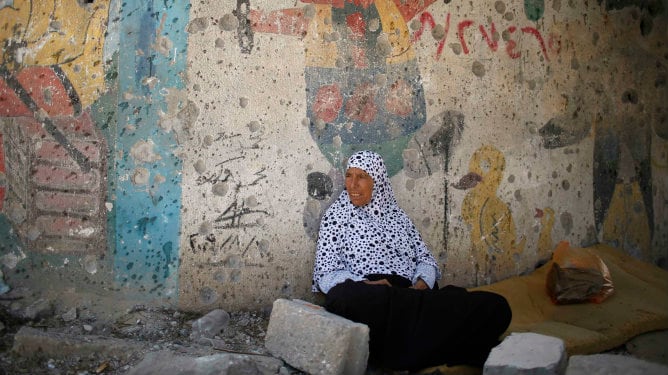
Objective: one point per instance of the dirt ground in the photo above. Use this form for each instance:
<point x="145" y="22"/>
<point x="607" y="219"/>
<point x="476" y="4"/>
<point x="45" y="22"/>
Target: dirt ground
<point x="153" y="328"/>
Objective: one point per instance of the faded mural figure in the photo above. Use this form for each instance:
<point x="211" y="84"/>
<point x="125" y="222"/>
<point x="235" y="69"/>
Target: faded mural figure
<point x="51" y="71"/>
<point x="623" y="205"/>
<point x="494" y="244"/>
<point x="363" y="85"/>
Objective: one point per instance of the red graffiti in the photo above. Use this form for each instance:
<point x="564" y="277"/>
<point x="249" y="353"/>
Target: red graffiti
<point x="491" y="41"/>
<point x="511" y="44"/>
<point x="427" y="18"/>
<point x="460" y="31"/>
<point x="533" y="31"/>
<point x="489" y="36"/>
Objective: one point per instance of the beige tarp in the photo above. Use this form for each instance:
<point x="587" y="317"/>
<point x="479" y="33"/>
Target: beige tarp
<point x="639" y="304"/>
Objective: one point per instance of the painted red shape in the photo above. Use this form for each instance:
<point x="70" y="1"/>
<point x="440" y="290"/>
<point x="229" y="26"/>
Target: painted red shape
<point x="10" y="104"/>
<point x="58" y="201"/>
<point x="53" y="152"/>
<point x="399" y="99"/>
<point x="441" y="44"/>
<point x="67" y="226"/>
<point x="489" y="38"/>
<point x="356" y="25"/>
<point x="511" y="44"/>
<point x="533" y="31"/>
<point x="425" y="19"/>
<point x="460" y="31"/>
<point x="46" y="90"/>
<point x="56" y="177"/>
<point x="363" y="3"/>
<point x="286" y="22"/>
<point x="328" y="103"/>
<point x="359" y="57"/>
<point x="81" y="126"/>
<point x="362" y="106"/>
<point x="2" y="155"/>
<point x="409" y="8"/>
<point x="334" y="3"/>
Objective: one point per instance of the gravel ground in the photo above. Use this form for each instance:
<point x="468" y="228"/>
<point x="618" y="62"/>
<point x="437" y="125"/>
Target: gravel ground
<point x="153" y="328"/>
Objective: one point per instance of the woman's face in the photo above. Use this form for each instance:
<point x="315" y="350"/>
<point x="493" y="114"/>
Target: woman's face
<point x="359" y="186"/>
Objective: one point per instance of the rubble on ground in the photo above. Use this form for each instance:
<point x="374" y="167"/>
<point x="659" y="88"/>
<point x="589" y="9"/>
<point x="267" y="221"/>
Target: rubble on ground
<point x="38" y="337"/>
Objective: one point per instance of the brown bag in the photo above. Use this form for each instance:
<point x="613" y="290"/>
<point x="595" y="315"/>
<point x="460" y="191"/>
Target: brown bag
<point x="577" y="276"/>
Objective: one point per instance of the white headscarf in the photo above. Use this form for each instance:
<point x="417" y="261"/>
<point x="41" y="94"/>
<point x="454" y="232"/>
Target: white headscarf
<point x="378" y="238"/>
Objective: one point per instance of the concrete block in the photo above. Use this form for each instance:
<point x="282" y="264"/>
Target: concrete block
<point x="313" y="340"/>
<point x="527" y="353"/>
<point x="603" y="364"/>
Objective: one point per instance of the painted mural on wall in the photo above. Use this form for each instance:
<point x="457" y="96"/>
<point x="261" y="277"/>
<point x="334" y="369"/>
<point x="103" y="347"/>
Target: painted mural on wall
<point x="344" y="38"/>
<point x="495" y="245"/>
<point x="153" y="116"/>
<point x="89" y="135"/>
<point x="363" y="84"/>
<point x="107" y="140"/>
<point x="51" y="71"/>
<point x="628" y="119"/>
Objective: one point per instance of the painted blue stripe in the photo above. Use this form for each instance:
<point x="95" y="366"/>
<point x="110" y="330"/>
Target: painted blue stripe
<point x="147" y="217"/>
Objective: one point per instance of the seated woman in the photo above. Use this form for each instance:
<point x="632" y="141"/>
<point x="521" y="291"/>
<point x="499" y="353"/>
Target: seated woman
<point x="375" y="269"/>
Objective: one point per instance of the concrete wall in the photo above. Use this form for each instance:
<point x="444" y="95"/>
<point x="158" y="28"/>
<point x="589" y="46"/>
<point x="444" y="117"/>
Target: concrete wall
<point x="185" y="152"/>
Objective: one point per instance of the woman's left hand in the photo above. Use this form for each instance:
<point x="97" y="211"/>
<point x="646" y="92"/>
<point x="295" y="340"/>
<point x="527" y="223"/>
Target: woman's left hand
<point x="420" y="285"/>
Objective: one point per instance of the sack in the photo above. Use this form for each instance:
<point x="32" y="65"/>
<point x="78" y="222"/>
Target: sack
<point x="577" y="275"/>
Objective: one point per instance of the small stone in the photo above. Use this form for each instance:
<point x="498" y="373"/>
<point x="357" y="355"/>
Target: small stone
<point x="88" y="327"/>
<point x="210" y="324"/>
<point x="70" y="315"/>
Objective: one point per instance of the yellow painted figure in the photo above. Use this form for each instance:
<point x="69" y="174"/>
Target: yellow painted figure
<point x="65" y="33"/>
<point x="493" y="238"/>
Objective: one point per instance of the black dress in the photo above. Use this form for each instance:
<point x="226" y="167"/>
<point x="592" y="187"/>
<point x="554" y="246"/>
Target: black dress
<point x="413" y="329"/>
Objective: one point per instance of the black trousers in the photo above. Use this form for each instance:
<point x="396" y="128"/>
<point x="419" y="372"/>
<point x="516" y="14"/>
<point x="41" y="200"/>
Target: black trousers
<point x="414" y="329"/>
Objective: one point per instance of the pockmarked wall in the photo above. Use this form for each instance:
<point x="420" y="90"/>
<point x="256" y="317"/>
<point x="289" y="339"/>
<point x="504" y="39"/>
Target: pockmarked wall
<point x="186" y="152"/>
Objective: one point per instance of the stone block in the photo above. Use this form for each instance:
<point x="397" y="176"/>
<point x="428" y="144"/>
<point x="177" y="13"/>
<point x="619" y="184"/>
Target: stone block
<point x="313" y="340"/>
<point x="527" y="353"/>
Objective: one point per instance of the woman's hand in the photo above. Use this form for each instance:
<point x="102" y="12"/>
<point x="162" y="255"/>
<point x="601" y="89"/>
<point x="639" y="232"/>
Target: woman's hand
<point x="378" y="282"/>
<point x="420" y="285"/>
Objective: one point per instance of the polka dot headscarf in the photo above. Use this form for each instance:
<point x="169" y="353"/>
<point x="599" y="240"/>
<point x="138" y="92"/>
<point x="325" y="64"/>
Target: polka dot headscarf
<point x="378" y="238"/>
<point x="382" y="198"/>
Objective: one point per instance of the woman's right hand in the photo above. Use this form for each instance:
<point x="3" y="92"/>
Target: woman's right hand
<point x="378" y="282"/>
